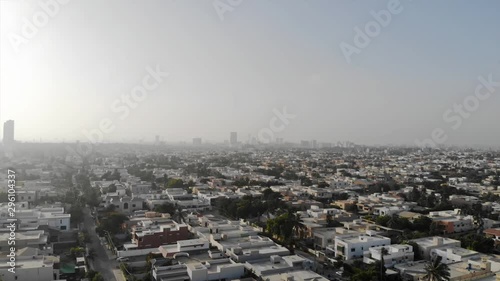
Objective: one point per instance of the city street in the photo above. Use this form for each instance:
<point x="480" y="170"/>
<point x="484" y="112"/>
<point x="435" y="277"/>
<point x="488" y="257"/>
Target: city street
<point x="103" y="261"/>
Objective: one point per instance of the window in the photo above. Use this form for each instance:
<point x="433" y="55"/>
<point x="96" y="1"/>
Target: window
<point x="353" y="249"/>
<point x="60" y="221"/>
<point x="63" y="227"/>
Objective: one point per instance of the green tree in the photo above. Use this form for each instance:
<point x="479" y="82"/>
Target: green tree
<point x="111" y="188"/>
<point x="478" y="242"/>
<point x="77" y="251"/>
<point x="83" y="238"/>
<point x="286" y="227"/>
<point x="113" y="222"/>
<point x="175" y="183"/>
<point x="383" y="253"/>
<point x="422" y="224"/>
<point x="383" y="220"/>
<point x="76" y="213"/>
<point x="436" y="228"/>
<point x="166" y="207"/>
<point x="436" y="271"/>
<point x="305" y="181"/>
<point x="330" y="222"/>
<point x="98" y="277"/>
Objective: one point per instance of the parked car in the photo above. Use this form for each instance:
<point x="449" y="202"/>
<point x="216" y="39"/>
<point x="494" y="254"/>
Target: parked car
<point x="122" y="259"/>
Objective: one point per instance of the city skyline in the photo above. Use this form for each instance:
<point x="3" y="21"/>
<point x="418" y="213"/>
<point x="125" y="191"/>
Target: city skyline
<point x="8" y="132"/>
<point x="194" y="71"/>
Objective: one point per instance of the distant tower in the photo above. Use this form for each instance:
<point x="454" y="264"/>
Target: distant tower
<point x="157" y="139"/>
<point x="196" y="141"/>
<point x="8" y="132"/>
<point x="233" y="138"/>
<point x="305" y="144"/>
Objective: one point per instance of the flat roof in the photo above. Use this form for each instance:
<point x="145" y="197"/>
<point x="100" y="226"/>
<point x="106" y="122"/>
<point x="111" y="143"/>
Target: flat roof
<point x="460" y="251"/>
<point x="429" y="241"/>
<point x="192" y="242"/>
<point x="358" y="238"/>
<point x="298" y="275"/>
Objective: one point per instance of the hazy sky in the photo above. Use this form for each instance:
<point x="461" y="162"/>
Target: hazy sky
<point x="228" y="74"/>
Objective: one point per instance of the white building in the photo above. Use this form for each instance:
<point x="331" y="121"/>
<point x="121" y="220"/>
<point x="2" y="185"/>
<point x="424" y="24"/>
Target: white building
<point x="427" y="244"/>
<point x="395" y="254"/>
<point x="453" y="254"/>
<point x="123" y="204"/>
<point x="53" y="217"/>
<point x="140" y="188"/>
<point x="353" y="246"/>
<point x="324" y="237"/>
<point x="184" y="246"/>
<point x="389" y="211"/>
<point x="277" y="264"/>
<point x="30" y="268"/>
<point x="216" y="269"/>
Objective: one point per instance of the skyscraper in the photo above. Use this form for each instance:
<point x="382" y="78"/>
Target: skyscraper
<point x="8" y="132"/>
<point x="233" y="138"/>
<point x="196" y="141"/>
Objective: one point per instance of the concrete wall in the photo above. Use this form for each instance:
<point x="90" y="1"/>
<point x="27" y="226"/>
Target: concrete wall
<point x="134" y="253"/>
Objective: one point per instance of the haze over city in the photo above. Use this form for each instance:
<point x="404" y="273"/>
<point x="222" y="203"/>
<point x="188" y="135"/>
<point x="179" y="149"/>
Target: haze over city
<point x="249" y="140"/>
<point x="230" y="68"/>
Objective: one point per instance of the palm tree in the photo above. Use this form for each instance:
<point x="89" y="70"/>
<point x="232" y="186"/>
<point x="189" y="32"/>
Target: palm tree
<point x="298" y="225"/>
<point x="383" y="252"/>
<point x="436" y="271"/>
<point x="178" y="215"/>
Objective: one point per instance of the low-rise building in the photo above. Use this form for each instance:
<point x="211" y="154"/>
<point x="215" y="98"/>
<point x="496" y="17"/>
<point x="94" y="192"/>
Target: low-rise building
<point x="453" y="254"/>
<point x="122" y="204"/>
<point x="398" y="253"/>
<point x="277" y="264"/>
<point x="54" y="217"/>
<point x="184" y="247"/>
<point x="154" y="233"/>
<point x="253" y="248"/>
<point x="326" y="236"/>
<point x="32" y="268"/>
<point x="216" y="269"/>
<point x="353" y="246"/>
<point x="427" y="244"/>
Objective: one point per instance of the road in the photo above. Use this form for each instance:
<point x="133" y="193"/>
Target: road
<point x="102" y="262"/>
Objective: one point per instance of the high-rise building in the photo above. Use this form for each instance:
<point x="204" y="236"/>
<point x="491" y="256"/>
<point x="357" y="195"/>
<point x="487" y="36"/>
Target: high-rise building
<point x="196" y="141"/>
<point x="305" y="144"/>
<point x="8" y="132"/>
<point x="233" y="138"/>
